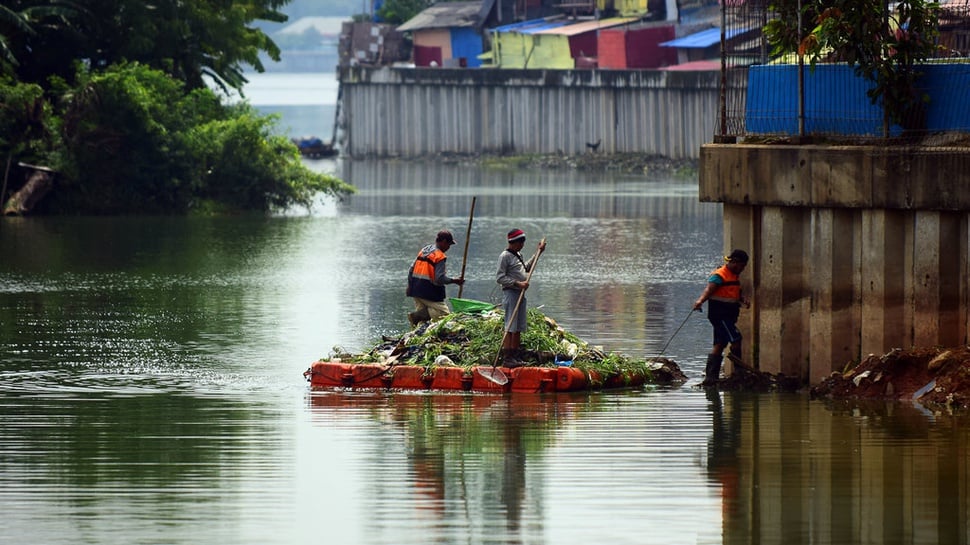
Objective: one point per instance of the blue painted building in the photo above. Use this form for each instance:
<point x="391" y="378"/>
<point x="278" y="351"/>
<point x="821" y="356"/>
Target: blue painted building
<point x="450" y="34"/>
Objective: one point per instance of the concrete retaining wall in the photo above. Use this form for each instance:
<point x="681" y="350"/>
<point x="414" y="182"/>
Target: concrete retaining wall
<point x="390" y="112"/>
<point x="855" y="250"/>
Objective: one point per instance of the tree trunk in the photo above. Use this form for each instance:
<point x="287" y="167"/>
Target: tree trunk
<point x="6" y="176"/>
<point x="23" y="200"/>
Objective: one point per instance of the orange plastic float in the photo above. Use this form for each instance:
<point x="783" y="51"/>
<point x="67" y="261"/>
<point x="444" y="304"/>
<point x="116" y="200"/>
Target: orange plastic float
<point x="326" y="374"/>
<point x="451" y="378"/>
<point x="410" y="377"/>
<point x="369" y="376"/>
<point x="533" y="379"/>
<point x="482" y="384"/>
<point x="329" y="375"/>
<point x="571" y="379"/>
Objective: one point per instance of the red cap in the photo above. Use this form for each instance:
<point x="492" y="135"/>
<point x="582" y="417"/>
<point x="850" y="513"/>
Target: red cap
<point x="516" y="234"/>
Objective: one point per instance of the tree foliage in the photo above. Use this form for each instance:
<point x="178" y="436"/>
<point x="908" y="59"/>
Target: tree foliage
<point x="188" y="40"/>
<point x="884" y="42"/>
<point x="131" y="148"/>
<point x="396" y="12"/>
<point x="36" y="34"/>
<point x="25" y="122"/>
<point x="112" y="94"/>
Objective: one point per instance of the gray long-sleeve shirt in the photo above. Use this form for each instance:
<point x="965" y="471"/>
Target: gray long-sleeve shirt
<point x="511" y="269"/>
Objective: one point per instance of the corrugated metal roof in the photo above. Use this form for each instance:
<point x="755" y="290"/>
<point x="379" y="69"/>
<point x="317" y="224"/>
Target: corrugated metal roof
<point x="703" y="39"/>
<point x="445" y="15"/>
<point x="695" y="66"/>
<point x="587" y="26"/>
<point x="541" y="28"/>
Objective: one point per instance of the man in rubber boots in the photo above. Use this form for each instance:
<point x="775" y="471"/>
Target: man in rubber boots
<point x="724" y="300"/>
<point x="427" y="279"/>
<point x="512" y="276"/>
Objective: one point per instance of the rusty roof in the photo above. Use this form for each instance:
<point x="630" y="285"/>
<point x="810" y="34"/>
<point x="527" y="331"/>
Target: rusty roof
<point x="446" y="15"/>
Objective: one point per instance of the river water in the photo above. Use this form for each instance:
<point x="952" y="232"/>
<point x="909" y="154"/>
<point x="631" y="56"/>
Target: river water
<point x="151" y="386"/>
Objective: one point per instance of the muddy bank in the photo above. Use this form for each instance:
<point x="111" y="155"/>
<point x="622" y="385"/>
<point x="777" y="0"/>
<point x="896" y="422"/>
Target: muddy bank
<point x="630" y="163"/>
<point x="934" y="377"/>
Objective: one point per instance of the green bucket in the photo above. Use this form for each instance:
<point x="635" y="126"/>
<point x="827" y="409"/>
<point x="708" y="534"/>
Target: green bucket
<point x="470" y="306"/>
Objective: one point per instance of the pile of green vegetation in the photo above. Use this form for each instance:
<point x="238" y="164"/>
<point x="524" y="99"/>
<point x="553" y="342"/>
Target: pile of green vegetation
<point x="473" y="339"/>
<point x="114" y="98"/>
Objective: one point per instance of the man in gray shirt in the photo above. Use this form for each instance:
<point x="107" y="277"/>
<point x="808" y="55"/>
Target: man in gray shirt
<point x="512" y="276"/>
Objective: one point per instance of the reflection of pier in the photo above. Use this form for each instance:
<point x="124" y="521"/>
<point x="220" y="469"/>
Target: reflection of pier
<point x="792" y="472"/>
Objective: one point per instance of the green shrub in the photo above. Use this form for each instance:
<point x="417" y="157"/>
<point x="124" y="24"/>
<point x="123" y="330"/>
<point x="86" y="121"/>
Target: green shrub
<point x="136" y="142"/>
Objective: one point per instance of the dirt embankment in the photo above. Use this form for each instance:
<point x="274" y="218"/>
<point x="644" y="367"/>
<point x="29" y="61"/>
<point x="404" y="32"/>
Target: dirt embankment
<point x="935" y="377"/>
<point x="632" y="163"/>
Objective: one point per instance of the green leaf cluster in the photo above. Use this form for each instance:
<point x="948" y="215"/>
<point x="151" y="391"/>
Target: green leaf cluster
<point x="396" y="12"/>
<point x="474" y="339"/>
<point x="25" y="118"/>
<point x="187" y="40"/>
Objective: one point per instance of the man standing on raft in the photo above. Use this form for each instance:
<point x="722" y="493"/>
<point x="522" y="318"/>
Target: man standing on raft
<point x="512" y="276"/>
<point x="427" y="279"/>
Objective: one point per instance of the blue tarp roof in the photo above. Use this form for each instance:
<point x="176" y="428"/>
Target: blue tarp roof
<point x="704" y="38"/>
<point x="538" y="28"/>
<point x="531" y="26"/>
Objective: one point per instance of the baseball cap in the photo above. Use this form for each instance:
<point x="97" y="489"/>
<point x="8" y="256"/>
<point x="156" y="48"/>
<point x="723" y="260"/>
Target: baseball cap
<point x="445" y="236"/>
<point x="737" y="255"/>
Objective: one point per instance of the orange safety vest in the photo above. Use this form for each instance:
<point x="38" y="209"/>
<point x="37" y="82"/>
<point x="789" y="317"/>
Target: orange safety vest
<point x="421" y="278"/>
<point x="728" y="291"/>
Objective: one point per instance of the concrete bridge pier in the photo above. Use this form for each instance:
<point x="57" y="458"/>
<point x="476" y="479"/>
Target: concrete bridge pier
<point x="855" y="250"/>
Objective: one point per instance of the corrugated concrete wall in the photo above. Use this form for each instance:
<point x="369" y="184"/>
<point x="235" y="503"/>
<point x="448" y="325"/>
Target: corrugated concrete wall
<point x="855" y="250"/>
<point x="389" y="112"/>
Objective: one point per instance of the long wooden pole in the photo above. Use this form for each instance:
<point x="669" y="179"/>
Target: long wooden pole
<point x="515" y="311"/>
<point x="468" y="236"/>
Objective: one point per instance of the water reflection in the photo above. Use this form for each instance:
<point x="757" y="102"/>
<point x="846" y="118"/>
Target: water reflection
<point x="780" y="469"/>
<point x="119" y="466"/>
<point x="468" y="458"/>
<point x="388" y="190"/>
<point x="795" y="471"/>
<point x="723" y="456"/>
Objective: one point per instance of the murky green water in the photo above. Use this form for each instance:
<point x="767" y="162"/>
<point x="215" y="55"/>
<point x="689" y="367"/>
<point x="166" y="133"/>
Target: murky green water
<point x="151" y="386"/>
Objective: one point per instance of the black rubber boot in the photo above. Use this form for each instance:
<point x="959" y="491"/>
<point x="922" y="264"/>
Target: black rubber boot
<point x="712" y="372"/>
<point x="511" y="358"/>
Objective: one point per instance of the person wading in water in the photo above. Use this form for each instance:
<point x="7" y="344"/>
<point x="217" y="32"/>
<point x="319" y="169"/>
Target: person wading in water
<point x="724" y="301"/>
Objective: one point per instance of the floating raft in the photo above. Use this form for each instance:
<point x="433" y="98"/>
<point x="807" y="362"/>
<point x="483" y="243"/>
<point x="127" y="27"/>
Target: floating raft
<point x="458" y="351"/>
<point x="329" y="374"/>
